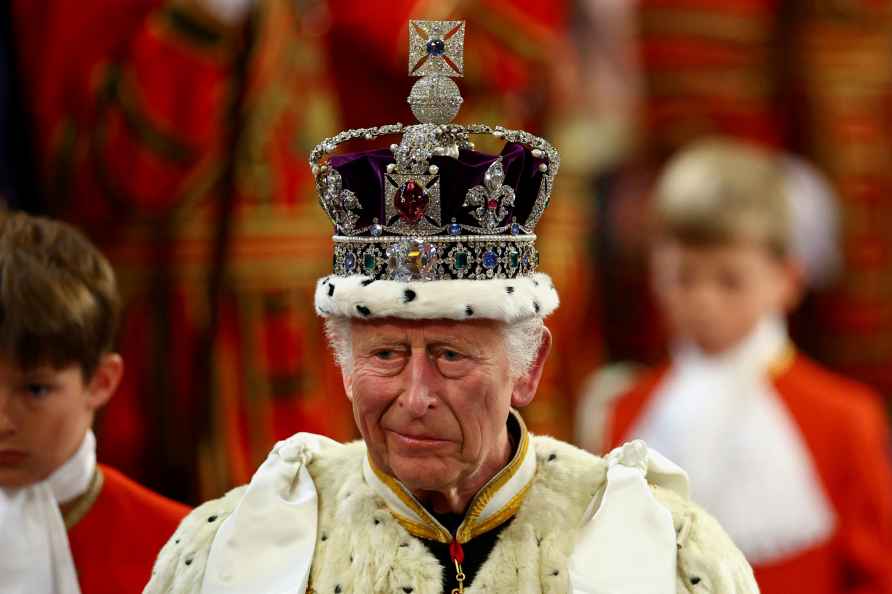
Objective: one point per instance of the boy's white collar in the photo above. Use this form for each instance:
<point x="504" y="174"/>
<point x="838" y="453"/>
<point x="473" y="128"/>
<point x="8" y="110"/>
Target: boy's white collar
<point x="722" y="419"/>
<point x="767" y="345"/>
<point x="39" y="559"/>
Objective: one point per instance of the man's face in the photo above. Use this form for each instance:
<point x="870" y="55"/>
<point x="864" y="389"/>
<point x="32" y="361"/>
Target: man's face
<point x="431" y="398"/>
<point x="715" y="296"/>
<point x="44" y="415"/>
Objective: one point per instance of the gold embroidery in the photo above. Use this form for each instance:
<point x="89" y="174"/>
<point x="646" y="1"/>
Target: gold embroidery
<point x="503" y="515"/>
<point x="415" y="529"/>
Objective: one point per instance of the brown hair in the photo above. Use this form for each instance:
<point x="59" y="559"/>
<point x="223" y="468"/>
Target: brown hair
<point x="718" y="191"/>
<point x="59" y="302"/>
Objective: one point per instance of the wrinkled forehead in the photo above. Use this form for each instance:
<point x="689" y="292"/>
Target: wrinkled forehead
<point x="478" y="332"/>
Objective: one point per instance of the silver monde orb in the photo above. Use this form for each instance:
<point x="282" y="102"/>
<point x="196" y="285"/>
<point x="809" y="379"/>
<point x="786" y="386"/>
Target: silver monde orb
<point x="435" y="99"/>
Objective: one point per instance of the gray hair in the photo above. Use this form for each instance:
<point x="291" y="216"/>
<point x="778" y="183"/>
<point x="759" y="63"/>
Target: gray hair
<point x="522" y="341"/>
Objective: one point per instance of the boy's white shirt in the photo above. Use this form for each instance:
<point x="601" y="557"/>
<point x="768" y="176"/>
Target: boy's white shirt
<point x="34" y="552"/>
<point x="721" y="419"/>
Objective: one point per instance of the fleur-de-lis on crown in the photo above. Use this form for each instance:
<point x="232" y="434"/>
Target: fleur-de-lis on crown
<point x="492" y="199"/>
<point x="340" y="204"/>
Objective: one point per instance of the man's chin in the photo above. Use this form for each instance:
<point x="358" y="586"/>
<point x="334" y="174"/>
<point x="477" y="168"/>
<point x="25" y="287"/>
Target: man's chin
<point x="420" y="474"/>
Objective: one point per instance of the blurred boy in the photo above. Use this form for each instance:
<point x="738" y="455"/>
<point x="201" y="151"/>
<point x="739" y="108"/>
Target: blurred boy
<point x="807" y="495"/>
<point x="67" y="524"/>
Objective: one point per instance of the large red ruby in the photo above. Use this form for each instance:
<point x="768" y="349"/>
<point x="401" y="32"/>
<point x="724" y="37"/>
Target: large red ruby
<point x="411" y="201"/>
<point x="492" y="204"/>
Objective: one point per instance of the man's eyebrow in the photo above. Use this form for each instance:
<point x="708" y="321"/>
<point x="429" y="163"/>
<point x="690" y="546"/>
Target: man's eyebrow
<point x="456" y="341"/>
<point x="378" y="341"/>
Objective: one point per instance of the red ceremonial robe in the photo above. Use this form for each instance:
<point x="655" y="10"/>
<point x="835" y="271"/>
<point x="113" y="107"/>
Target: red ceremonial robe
<point x="844" y="429"/>
<point x="118" y="528"/>
<point x="178" y="144"/>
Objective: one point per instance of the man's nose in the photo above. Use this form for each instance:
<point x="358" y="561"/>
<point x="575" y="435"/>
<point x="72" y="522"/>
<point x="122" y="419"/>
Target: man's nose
<point x="419" y="395"/>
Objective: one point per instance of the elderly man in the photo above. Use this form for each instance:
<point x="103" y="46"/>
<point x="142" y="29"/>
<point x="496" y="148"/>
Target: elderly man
<point x="435" y="313"/>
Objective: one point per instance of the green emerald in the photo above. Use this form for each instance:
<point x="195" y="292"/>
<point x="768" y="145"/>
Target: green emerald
<point x="368" y="262"/>
<point x="514" y="258"/>
<point x="461" y="260"/>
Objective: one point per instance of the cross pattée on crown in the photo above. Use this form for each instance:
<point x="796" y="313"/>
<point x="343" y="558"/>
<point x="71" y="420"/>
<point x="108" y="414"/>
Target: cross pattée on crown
<point x="436" y="54"/>
<point x="436" y="48"/>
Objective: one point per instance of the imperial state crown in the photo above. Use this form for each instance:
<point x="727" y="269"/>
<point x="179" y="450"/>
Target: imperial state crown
<point x="430" y="213"/>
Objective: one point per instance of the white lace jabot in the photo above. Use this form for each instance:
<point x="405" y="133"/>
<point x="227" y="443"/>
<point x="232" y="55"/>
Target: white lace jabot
<point x="723" y="421"/>
<point x="34" y="551"/>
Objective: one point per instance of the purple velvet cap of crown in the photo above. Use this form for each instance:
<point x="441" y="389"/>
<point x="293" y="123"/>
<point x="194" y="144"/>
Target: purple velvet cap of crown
<point x="365" y="174"/>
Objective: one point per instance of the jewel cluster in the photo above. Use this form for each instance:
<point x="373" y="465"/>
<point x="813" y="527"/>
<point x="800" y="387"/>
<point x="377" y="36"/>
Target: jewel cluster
<point x="412" y="155"/>
<point x="437" y="258"/>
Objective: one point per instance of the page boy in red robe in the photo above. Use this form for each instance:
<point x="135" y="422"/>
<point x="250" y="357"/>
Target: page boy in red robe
<point x="791" y="458"/>
<point x="67" y="524"/>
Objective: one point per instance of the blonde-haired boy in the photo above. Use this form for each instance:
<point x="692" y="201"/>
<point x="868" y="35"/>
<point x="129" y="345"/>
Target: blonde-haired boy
<point x="791" y="458"/>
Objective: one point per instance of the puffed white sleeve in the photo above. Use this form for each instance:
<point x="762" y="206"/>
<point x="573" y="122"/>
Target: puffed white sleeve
<point x="642" y="535"/>
<point x="259" y="538"/>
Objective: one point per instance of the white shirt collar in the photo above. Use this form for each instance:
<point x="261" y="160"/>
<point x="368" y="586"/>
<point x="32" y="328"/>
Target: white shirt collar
<point x="38" y="558"/>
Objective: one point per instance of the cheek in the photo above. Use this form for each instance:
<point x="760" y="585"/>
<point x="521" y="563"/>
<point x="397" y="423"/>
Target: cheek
<point x="51" y="433"/>
<point x="372" y="396"/>
<point x="66" y="427"/>
<point x="480" y="405"/>
<point x="749" y="302"/>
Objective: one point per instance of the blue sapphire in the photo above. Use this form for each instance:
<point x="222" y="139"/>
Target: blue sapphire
<point x="515" y="229"/>
<point x="349" y="261"/>
<point x="377" y="230"/>
<point x="436" y="47"/>
<point x="490" y="259"/>
<point x="454" y="229"/>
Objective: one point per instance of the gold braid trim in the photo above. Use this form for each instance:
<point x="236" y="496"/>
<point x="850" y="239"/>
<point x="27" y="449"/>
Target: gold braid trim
<point x="503" y="515"/>
<point x="783" y="361"/>
<point x="416" y="529"/>
<point x="83" y="504"/>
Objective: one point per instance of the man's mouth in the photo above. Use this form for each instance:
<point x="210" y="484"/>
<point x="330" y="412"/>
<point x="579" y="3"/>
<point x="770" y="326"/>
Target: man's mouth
<point x="417" y="440"/>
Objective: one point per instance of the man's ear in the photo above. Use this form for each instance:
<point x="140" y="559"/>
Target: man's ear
<point x="101" y="387"/>
<point x="348" y="383"/>
<point x="526" y="385"/>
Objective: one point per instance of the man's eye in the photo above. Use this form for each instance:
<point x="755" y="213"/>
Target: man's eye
<point x="385" y="355"/>
<point x="36" y="390"/>
<point x="450" y="355"/>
